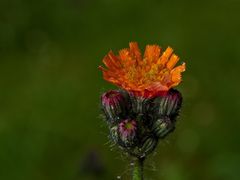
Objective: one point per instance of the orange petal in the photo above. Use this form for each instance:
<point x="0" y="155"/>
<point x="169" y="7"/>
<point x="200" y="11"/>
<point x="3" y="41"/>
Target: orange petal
<point x="124" y="54"/>
<point x="173" y="61"/>
<point x="134" y="49"/>
<point x="152" y="52"/>
<point x="114" y="60"/>
<point x="102" y="68"/>
<point x="166" y="54"/>
<point x="109" y="63"/>
<point x="180" y="68"/>
<point x="176" y="73"/>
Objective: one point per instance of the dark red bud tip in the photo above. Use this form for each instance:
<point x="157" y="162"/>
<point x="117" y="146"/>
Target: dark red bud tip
<point x="111" y="97"/>
<point x="169" y="104"/>
<point x="127" y="130"/>
<point x="174" y="102"/>
<point x="114" y="105"/>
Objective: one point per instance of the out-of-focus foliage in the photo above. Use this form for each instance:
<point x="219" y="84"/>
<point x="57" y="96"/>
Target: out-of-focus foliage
<point x="50" y="86"/>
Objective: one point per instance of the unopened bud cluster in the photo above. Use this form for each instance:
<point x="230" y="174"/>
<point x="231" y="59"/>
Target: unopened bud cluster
<point x="137" y="123"/>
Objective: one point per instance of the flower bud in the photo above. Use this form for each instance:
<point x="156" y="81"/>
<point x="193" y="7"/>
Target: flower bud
<point x="169" y="104"/>
<point x="148" y="145"/>
<point x="114" y="105"/>
<point x="127" y="131"/>
<point x="140" y="105"/>
<point x="162" y="127"/>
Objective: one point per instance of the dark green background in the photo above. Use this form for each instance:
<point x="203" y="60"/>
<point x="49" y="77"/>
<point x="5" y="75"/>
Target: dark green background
<point x="50" y="128"/>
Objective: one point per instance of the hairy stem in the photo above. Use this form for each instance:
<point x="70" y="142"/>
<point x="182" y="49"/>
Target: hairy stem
<point x="138" y="169"/>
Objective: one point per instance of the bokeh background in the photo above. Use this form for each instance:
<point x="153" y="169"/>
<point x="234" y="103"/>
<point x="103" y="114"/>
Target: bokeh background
<point x="50" y="128"/>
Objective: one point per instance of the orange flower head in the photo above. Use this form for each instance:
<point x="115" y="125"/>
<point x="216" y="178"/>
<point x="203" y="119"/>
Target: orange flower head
<point x="148" y="75"/>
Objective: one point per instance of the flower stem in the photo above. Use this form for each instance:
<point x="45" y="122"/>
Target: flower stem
<point x="138" y="169"/>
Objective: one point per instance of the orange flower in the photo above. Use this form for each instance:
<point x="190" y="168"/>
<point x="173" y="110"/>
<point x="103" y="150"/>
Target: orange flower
<point x="146" y="76"/>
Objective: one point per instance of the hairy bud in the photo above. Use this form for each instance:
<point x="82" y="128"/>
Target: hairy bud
<point x="149" y="145"/>
<point x="169" y="104"/>
<point x="140" y="105"/>
<point x="114" y="105"/>
<point x="162" y="127"/>
<point x="127" y="130"/>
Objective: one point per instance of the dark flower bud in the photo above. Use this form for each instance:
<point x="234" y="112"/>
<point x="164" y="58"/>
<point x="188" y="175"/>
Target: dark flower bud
<point x="127" y="131"/>
<point x="140" y="105"/>
<point x="169" y="104"/>
<point x="163" y="126"/>
<point x="148" y="145"/>
<point x="114" y="105"/>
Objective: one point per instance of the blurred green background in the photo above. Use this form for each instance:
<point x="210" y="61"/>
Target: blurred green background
<point x="50" y="128"/>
